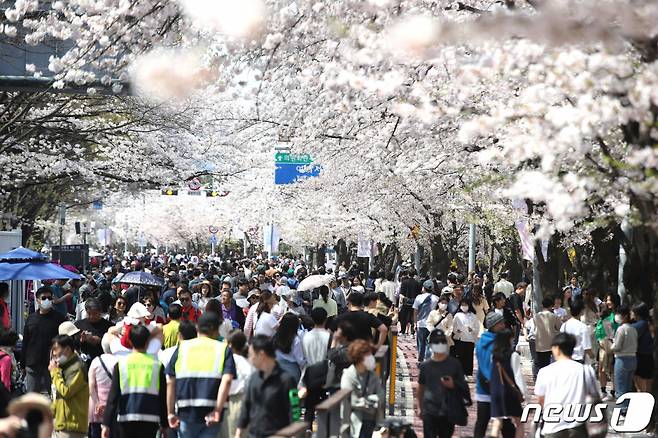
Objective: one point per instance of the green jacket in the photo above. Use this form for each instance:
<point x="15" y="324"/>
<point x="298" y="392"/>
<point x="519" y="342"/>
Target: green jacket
<point x="71" y="398"/>
<point x="599" y="331"/>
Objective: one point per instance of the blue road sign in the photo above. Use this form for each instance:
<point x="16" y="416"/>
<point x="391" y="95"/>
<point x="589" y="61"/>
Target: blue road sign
<point x="291" y="168"/>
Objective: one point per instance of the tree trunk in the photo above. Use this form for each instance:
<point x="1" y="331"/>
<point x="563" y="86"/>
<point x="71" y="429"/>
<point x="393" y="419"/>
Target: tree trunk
<point x="321" y="256"/>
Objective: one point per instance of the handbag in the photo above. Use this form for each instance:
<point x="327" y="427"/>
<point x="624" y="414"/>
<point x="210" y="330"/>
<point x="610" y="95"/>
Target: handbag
<point x="594" y="430"/>
<point x="315" y="376"/>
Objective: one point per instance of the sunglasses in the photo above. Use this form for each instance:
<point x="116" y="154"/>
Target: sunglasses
<point x="120" y="303"/>
<point x="185" y="300"/>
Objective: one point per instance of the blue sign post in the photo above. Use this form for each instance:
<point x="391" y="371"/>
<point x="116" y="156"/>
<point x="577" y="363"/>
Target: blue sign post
<point x="290" y="168"/>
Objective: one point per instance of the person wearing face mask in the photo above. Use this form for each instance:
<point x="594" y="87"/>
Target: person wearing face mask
<point x="624" y="346"/>
<point x="70" y="389"/>
<point x="440" y="318"/>
<point x="367" y="392"/>
<point x="442" y="390"/>
<point x="40" y="328"/>
<point x="466" y="328"/>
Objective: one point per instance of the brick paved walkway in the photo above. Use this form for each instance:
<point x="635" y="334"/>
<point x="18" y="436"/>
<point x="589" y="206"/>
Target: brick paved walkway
<point x="407" y="382"/>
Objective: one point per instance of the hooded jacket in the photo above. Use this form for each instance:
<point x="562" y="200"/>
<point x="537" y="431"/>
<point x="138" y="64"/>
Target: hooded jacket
<point x="71" y="398"/>
<point x="484" y="352"/>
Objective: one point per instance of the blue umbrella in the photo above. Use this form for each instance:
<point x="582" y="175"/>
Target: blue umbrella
<point x="25" y="264"/>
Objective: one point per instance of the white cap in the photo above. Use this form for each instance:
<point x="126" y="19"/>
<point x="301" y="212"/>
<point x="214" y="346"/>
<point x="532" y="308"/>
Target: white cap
<point x="138" y="310"/>
<point x="107" y="269"/>
<point x="68" y="328"/>
<point x="285" y="291"/>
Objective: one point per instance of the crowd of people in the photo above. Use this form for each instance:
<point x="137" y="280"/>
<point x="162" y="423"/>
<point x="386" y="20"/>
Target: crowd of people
<point x="237" y="348"/>
<point x="581" y="348"/>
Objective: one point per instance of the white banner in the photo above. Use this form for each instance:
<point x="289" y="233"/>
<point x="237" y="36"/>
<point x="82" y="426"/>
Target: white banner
<point x="104" y="236"/>
<point x="364" y="247"/>
<point x="527" y="242"/>
<point x="271" y="238"/>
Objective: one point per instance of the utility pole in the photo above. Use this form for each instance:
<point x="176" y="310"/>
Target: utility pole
<point x="471" y="248"/>
<point x="85" y="231"/>
<point x="62" y="222"/>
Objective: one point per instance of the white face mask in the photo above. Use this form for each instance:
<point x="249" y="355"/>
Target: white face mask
<point x="443" y="306"/>
<point x="464" y="309"/>
<point x="499" y="311"/>
<point x="46" y="304"/>
<point x="369" y="362"/>
<point x="61" y="359"/>
<point x="618" y="319"/>
<point x="439" y="348"/>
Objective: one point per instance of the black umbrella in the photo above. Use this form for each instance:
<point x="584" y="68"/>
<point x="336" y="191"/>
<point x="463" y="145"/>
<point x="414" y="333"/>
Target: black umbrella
<point x="142" y="278"/>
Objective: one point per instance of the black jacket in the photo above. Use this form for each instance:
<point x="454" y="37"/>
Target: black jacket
<point x="37" y="336"/>
<point x="410" y="288"/>
<point x="269" y="404"/>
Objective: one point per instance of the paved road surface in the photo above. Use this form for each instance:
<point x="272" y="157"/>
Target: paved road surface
<point x="407" y="381"/>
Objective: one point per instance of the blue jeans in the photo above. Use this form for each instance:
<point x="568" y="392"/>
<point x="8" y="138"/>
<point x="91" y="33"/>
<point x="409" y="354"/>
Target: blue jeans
<point x="422" y="338"/>
<point x="188" y="429"/>
<point x="624" y="370"/>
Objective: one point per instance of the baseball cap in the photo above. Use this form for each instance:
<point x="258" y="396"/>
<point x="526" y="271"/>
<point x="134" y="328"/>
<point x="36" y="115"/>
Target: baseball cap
<point x="438" y="336"/>
<point x="428" y="284"/>
<point x="68" y="328"/>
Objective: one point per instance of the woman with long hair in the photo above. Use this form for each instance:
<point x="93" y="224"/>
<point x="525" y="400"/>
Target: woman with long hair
<point x="265" y="323"/>
<point x="466" y="330"/>
<point x="118" y="310"/>
<point x="508" y="389"/>
<point x="326" y="302"/>
<point x="480" y="304"/>
<point x="289" y="352"/>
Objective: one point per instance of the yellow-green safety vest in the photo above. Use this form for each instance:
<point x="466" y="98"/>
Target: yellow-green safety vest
<point x="199" y="368"/>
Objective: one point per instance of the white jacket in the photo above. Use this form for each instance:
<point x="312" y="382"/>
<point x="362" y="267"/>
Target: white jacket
<point x="466" y="327"/>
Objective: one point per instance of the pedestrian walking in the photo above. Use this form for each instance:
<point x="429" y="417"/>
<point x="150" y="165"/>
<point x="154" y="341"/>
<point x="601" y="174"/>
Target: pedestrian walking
<point x="237" y="341"/>
<point x="362" y="323"/>
<point x="442" y="390"/>
<point x="579" y="331"/>
<point x="199" y="377"/>
<point x="440" y="318"/>
<point x="624" y="347"/>
<point x="100" y="382"/>
<point x="508" y="388"/>
<point x="645" y="363"/>
<point x="288" y="345"/>
<point x="40" y="328"/>
<point x="466" y="329"/>
<point x="565" y="382"/>
<point x="547" y="325"/>
<point x="137" y="398"/>
<point x="423" y="305"/>
<point x="495" y="322"/>
<point x="410" y="288"/>
<point x="605" y="330"/>
<point x="70" y="389"/>
<point x="503" y="286"/>
<point x="367" y="393"/>
<point x="92" y="329"/>
<point x="170" y="329"/>
<point x="271" y="401"/>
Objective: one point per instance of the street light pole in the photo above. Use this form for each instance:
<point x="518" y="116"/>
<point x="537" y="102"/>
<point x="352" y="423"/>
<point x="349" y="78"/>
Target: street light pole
<point x="62" y="221"/>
